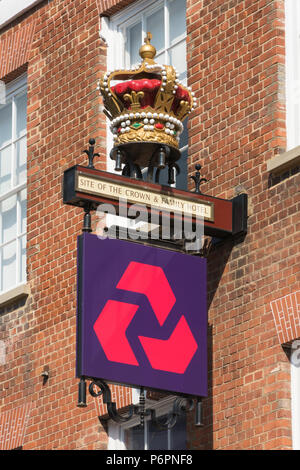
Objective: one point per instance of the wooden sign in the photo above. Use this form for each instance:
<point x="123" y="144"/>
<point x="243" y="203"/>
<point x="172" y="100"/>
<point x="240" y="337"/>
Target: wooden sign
<point x="82" y="185"/>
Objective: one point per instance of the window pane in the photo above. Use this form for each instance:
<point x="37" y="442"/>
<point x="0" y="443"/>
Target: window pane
<point x="178" y="434"/>
<point x="156" y="26"/>
<point x="160" y="59"/>
<point x="177" y="9"/>
<point x="21" y="165"/>
<point x="5" y="124"/>
<point x="5" y="169"/>
<point x="23" y="205"/>
<point x="135" y="38"/>
<point x="178" y="59"/>
<point x="8" y="271"/>
<point x="21" y="103"/>
<point x="9" y="218"/>
<point x="134" y="438"/>
<point x="181" y="179"/>
<point x="22" y="248"/>
<point x="158" y="438"/>
<point x="184" y="136"/>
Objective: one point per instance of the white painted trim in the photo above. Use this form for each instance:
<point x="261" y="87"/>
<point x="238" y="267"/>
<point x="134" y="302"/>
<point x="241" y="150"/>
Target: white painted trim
<point x="16" y="293"/>
<point x="107" y="34"/>
<point x="292" y="66"/>
<point x="135" y="395"/>
<point x="284" y="161"/>
<point x="295" y="395"/>
<point x="124" y="15"/>
<point x="13" y="90"/>
<point x="16" y="85"/>
<point x="11" y="9"/>
<point x="114" y="437"/>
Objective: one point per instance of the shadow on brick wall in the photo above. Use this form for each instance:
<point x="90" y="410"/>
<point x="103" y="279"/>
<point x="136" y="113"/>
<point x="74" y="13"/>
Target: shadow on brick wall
<point x="202" y="438"/>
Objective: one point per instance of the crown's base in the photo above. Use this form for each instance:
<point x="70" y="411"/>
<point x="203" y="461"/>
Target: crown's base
<point x="131" y="134"/>
<point x="144" y="153"/>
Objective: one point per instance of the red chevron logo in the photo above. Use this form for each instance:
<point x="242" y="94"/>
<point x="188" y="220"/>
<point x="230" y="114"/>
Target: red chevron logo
<point x="171" y="355"/>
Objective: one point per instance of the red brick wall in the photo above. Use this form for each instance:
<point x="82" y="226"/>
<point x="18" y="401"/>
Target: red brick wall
<point x="15" y="49"/>
<point x="286" y="313"/>
<point x="109" y="7"/>
<point x="64" y="63"/>
<point x="13" y="424"/>
<point x="236" y="68"/>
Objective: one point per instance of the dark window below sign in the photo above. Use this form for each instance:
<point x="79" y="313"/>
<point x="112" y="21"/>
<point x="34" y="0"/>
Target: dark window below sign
<point x="154" y="438"/>
<point x="278" y="178"/>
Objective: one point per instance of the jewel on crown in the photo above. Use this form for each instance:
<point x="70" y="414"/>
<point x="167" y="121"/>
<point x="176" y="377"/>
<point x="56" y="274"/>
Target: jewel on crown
<point x="148" y="104"/>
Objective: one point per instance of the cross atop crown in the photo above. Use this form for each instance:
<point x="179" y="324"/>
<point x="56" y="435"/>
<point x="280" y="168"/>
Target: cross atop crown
<point x="147" y="51"/>
<point x="148" y="38"/>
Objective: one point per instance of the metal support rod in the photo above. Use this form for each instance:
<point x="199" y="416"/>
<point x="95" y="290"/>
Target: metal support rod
<point x="118" y="166"/>
<point x="161" y="158"/>
<point x="199" y="413"/>
<point x="87" y="219"/>
<point x="142" y="407"/>
<point x="82" y="393"/>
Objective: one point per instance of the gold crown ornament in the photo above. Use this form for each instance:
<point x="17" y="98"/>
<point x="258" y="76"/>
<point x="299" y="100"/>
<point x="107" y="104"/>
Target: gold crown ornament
<point x="147" y="105"/>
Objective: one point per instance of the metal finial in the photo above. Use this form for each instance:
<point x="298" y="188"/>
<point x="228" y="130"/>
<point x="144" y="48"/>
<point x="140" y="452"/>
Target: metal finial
<point x="197" y="179"/>
<point x="90" y="153"/>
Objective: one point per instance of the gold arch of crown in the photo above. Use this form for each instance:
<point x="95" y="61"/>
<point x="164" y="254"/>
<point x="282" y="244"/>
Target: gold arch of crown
<point x="156" y="123"/>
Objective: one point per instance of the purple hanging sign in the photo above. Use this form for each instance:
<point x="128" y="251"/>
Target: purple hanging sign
<point x="142" y="316"/>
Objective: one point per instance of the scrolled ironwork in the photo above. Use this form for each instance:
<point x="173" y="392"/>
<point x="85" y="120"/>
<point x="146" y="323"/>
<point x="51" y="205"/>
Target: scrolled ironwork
<point x="181" y="405"/>
<point x="105" y="392"/>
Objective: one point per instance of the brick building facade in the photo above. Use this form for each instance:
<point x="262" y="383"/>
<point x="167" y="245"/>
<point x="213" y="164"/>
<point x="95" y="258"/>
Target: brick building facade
<point x="236" y="60"/>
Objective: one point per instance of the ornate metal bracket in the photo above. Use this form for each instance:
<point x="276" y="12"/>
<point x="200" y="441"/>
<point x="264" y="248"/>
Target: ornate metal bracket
<point x="197" y="179"/>
<point x="181" y="405"/>
<point x="104" y="390"/>
<point x="87" y="219"/>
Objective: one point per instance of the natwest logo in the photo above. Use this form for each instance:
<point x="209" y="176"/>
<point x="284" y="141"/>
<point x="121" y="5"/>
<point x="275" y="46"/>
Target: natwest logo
<point x="173" y="354"/>
<point x="141" y="316"/>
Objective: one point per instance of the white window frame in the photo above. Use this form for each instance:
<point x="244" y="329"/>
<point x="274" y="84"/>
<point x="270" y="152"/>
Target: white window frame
<point x="295" y="393"/>
<point x="112" y="31"/>
<point x="116" y="432"/>
<point x="292" y="68"/>
<point x="11" y="9"/>
<point x="13" y="90"/>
